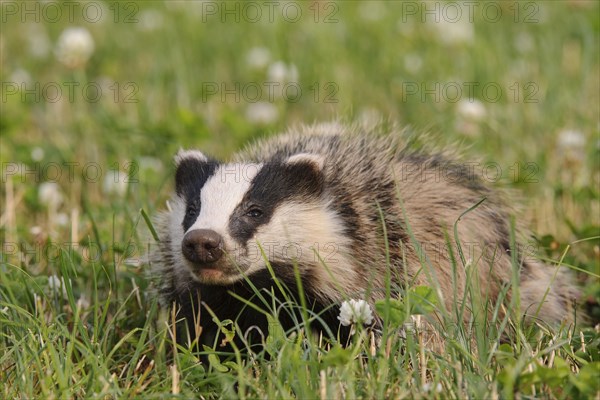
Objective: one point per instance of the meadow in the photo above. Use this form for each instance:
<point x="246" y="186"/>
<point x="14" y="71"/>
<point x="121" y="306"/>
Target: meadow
<point x="97" y="97"/>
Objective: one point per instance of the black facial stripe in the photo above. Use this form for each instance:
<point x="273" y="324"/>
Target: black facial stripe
<point x="274" y="183"/>
<point x="190" y="177"/>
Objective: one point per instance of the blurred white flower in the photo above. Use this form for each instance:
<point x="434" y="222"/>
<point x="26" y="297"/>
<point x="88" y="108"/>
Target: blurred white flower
<point x="258" y="57"/>
<point x="452" y="31"/>
<point x="571" y="146"/>
<point x="150" y="20"/>
<point x="57" y="285"/>
<point x="75" y="47"/>
<point x="282" y="73"/>
<point x="569" y="139"/>
<point x="37" y="153"/>
<point x="262" y="113"/>
<point x="49" y="195"/>
<point x="413" y="63"/>
<point x="35" y="230"/>
<point x="524" y="42"/>
<point x="61" y="219"/>
<point x="39" y="45"/>
<point x="472" y="110"/>
<point x="150" y="163"/>
<point x="405" y="28"/>
<point x="115" y="183"/>
<point x="355" y="312"/>
<point x="83" y="303"/>
<point x="429" y="386"/>
<point x="519" y="69"/>
<point x="20" y="77"/>
<point x="277" y="72"/>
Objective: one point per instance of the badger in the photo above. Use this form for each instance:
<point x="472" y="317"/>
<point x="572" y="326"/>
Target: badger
<point x="330" y="212"/>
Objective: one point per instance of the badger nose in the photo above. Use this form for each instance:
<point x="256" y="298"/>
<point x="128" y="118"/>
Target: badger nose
<point x="202" y="246"/>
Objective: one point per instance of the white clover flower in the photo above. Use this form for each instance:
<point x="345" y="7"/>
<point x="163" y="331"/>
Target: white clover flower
<point x="428" y="387"/>
<point x="262" y="113"/>
<point x="37" y="153"/>
<point x="524" y="42"/>
<point x="75" y="47"/>
<point x="570" y="139"/>
<point x="150" y="20"/>
<point x="472" y="110"/>
<point x="355" y="312"/>
<point x="571" y="146"/>
<point x="277" y="72"/>
<point x="106" y="85"/>
<point x="413" y="63"/>
<point x="115" y="183"/>
<point x="258" y="57"/>
<point x="282" y="73"/>
<point x="150" y="163"/>
<point x="61" y="219"/>
<point x="452" y="30"/>
<point x="83" y="303"/>
<point x="49" y="195"/>
<point x="39" y="45"/>
<point x="20" y="77"/>
<point x="56" y="284"/>
<point x="405" y="28"/>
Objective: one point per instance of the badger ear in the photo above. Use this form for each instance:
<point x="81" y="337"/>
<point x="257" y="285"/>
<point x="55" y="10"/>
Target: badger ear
<point x="183" y="154"/>
<point x="306" y="172"/>
<point x="193" y="170"/>
<point x="315" y="161"/>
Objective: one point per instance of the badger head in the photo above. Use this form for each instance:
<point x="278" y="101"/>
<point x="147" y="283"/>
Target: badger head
<point x="229" y="220"/>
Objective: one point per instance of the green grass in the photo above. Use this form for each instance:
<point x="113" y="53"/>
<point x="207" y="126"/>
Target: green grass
<point x="102" y="335"/>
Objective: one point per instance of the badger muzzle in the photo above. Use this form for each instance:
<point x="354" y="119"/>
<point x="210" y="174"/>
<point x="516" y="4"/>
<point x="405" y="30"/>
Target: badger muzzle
<point x="202" y="247"/>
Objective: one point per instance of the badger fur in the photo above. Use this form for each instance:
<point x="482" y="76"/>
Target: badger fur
<point x="337" y="209"/>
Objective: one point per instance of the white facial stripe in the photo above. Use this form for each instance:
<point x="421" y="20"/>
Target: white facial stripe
<point x="293" y="234"/>
<point x="221" y="194"/>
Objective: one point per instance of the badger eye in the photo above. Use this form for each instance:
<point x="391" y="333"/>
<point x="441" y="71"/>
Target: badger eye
<point x="192" y="210"/>
<point x="254" y="212"/>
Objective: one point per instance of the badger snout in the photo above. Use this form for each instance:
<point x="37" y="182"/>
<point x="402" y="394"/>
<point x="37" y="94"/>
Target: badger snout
<point x="202" y="246"/>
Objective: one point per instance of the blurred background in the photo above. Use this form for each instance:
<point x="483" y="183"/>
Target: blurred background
<point x="97" y="96"/>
